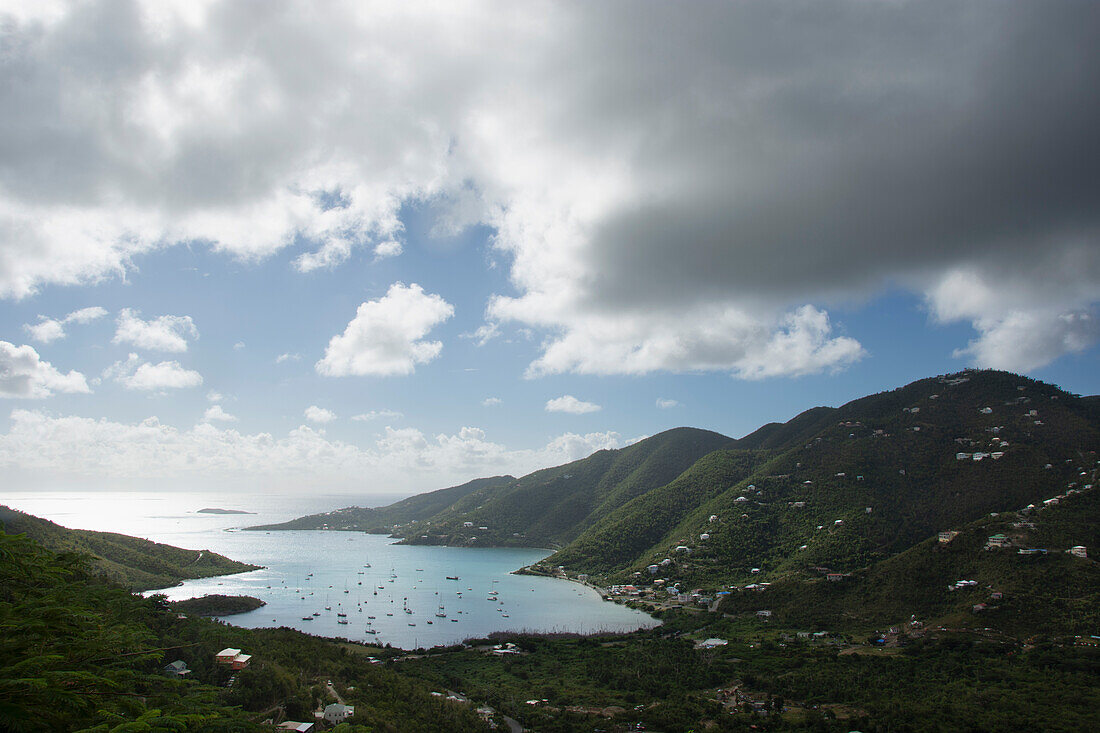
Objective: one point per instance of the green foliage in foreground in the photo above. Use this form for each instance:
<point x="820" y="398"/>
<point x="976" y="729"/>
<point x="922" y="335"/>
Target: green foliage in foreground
<point x="949" y="683"/>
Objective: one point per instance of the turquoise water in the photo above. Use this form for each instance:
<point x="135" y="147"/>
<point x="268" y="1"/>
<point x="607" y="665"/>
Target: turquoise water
<point x="308" y="572"/>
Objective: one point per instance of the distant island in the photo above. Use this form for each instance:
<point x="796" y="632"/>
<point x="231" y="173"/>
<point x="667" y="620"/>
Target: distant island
<point x="214" y="510"/>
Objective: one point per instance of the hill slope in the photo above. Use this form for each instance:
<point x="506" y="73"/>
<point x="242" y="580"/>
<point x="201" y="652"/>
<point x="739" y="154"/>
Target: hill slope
<point x="845" y="487"/>
<point x="129" y="561"/>
<point x="548" y="507"/>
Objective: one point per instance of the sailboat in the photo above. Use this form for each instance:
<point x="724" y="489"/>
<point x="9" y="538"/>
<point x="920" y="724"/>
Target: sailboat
<point x="441" y="613"/>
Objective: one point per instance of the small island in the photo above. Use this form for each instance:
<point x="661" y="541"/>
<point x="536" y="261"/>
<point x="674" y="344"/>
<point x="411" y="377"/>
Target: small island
<point x="214" y="510"/>
<point x="217" y="605"/>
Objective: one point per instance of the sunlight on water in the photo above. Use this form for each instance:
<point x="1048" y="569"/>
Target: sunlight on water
<point x="320" y="575"/>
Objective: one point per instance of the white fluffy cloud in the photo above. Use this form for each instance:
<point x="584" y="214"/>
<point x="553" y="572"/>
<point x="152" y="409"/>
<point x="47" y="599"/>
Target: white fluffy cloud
<point x="666" y="404"/>
<point x="569" y="403"/>
<point x="50" y="329"/>
<point x="491" y="402"/>
<point x="320" y="415"/>
<point x="728" y="167"/>
<point x="287" y="357"/>
<point x="164" y="333"/>
<point x="23" y="374"/>
<point x="215" y="412"/>
<point x="43" y="448"/>
<point x="137" y="374"/>
<point x="386" y="337"/>
<point x="1012" y="334"/>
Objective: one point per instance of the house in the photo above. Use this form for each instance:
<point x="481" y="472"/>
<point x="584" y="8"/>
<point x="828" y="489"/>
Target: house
<point x="997" y="540"/>
<point x="683" y="548"/>
<point x="713" y="518"/>
<point x="961" y="456"/>
<point x="1078" y="551"/>
<point x="997" y="455"/>
<point x="978" y="607"/>
<point x="834" y="577"/>
<point x="797" y="504"/>
<point x="740" y="498"/>
<point x="764" y="614"/>
<point x="294" y="725"/>
<point x="704" y="536"/>
<point x="337" y="713"/>
<point x="947" y="536"/>
<point x="710" y="643"/>
<point x="986" y="410"/>
<point x="468" y="525"/>
<point x="240" y="661"/>
<point x="227" y="655"/>
<point x="177" y="668"/>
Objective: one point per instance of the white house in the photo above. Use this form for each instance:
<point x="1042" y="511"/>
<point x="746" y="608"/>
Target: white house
<point x="713" y="518"/>
<point x="337" y="713"/>
<point x="1078" y="551"/>
<point x="704" y="536"/>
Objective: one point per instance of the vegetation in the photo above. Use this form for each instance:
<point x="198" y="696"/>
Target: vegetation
<point x="80" y="653"/>
<point x="135" y="563"/>
<point x="217" y="605"/>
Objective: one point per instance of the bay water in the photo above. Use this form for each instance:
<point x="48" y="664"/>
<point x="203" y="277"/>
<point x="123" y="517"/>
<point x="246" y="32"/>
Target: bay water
<point x="344" y="584"/>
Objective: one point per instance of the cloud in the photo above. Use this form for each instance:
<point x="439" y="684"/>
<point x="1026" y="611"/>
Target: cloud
<point x="41" y="449"/>
<point x="49" y="329"/>
<point x="386" y="335"/>
<point x="165" y="333"/>
<point x="287" y="357"/>
<point x="238" y="346"/>
<point x="46" y="330"/>
<point x="320" y="415"/>
<point x="569" y="403"/>
<point x="491" y="402"/>
<point x="215" y="412"/>
<point x="666" y="404"/>
<point x="727" y="167"/>
<point x="137" y="374"/>
<point x="23" y="374"/>
<point x="213" y="396"/>
<point x="389" y="248"/>
<point x="1012" y="334"/>
<point x="377" y="415"/>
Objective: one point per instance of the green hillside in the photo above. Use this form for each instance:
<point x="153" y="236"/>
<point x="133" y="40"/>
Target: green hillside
<point x="135" y="563"/>
<point x="545" y="508"/>
<point x="846" y="487"/>
<point x="381" y="520"/>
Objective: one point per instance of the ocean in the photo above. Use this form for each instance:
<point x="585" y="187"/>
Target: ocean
<point x="340" y="580"/>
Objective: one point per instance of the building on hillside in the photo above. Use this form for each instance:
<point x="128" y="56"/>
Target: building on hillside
<point x="227" y="655"/>
<point x="997" y="541"/>
<point x="1078" y="551"/>
<point x="337" y="713"/>
<point x="240" y="661"/>
<point x="945" y="537"/>
<point x="177" y="668"/>
<point x="297" y="727"/>
<point x="834" y="577"/>
<point x="710" y="643"/>
<point x="764" y="614"/>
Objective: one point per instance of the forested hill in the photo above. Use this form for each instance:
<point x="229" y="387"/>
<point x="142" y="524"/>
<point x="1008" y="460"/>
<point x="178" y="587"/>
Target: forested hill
<point x="848" y="487"/>
<point x="840" y="487"/>
<point x="129" y="561"/>
<point x="548" y="507"/>
<point x="382" y="519"/>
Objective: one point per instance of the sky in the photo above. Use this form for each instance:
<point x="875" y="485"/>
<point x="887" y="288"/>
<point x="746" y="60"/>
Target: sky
<point x="379" y="248"/>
